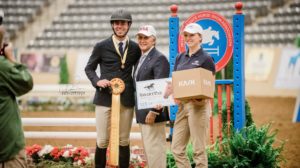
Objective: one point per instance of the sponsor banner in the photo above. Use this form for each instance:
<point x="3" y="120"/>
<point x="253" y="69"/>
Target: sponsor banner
<point x="288" y="76"/>
<point x="259" y="63"/>
<point x="296" y="117"/>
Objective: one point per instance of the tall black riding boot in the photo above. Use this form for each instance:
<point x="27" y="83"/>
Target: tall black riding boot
<point x="124" y="156"/>
<point x="100" y="157"/>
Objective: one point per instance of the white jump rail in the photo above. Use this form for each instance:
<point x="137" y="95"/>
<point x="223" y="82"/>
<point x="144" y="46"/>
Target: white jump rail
<point x="70" y="135"/>
<point x="58" y="121"/>
<point x="64" y="122"/>
<point x="61" y="121"/>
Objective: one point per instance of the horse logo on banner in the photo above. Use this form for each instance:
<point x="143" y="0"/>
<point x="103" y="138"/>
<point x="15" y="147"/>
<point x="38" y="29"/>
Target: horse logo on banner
<point x="210" y="36"/>
<point x="217" y="36"/>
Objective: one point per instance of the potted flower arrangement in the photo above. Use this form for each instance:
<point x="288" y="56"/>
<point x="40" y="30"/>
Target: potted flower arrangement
<point x="67" y="156"/>
<point x="137" y="159"/>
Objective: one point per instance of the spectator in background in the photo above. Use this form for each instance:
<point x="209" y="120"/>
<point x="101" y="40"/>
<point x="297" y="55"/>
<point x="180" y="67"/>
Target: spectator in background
<point x="192" y="118"/>
<point x="116" y="57"/>
<point x="30" y="60"/>
<point x="152" y="65"/>
<point x="15" y="80"/>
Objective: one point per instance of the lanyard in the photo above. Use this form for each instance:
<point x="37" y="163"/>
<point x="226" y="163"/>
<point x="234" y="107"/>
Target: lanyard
<point x="123" y="59"/>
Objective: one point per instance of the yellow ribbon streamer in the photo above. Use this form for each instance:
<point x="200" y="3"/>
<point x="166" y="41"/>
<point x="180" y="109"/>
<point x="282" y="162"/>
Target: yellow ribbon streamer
<point x="118" y="86"/>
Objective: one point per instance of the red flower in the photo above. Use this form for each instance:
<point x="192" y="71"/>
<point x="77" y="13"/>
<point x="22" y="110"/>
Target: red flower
<point x="30" y="150"/>
<point x="142" y="164"/>
<point x="55" y="153"/>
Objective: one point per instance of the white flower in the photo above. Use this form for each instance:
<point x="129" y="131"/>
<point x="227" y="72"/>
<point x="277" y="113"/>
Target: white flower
<point x="88" y="160"/>
<point x="75" y="164"/>
<point x="74" y="149"/>
<point x="139" y="158"/>
<point x="133" y="156"/>
<point x="135" y="147"/>
<point x="66" y="154"/>
<point x="46" y="149"/>
<point x="79" y="162"/>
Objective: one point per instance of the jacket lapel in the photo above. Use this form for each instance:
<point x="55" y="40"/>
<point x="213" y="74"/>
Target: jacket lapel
<point x="113" y="48"/>
<point x="147" y="59"/>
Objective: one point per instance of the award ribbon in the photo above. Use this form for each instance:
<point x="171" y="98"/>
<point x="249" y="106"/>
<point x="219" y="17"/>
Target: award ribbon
<point x="118" y="86"/>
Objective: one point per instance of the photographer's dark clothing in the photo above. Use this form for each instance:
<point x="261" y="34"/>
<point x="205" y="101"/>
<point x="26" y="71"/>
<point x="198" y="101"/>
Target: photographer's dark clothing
<point x="106" y="56"/>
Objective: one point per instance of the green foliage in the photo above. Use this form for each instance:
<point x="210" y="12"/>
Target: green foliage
<point x="229" y="70"/>
<point x="171" y="160"/>
<point x="218" y="75"/>
<point x="52" y="164"/>
<point x="189" y="151"/>
<point x="63" y="74"/>
<point x="216" y="158"/>
<point x="60" y="164"/>
<point x="297" y="41"/>
<point x="251" y="147"/>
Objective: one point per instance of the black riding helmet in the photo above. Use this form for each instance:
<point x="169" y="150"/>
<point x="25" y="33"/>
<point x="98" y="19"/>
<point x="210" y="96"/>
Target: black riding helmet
<point x="121" y="15"/>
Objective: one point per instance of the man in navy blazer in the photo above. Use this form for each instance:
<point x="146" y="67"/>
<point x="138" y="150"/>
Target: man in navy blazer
<point x="152" y="65"/>
<point x="116" y="57"/>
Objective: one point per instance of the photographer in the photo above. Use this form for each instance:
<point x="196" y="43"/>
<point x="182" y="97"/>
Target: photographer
<point x="15" y="80"/>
